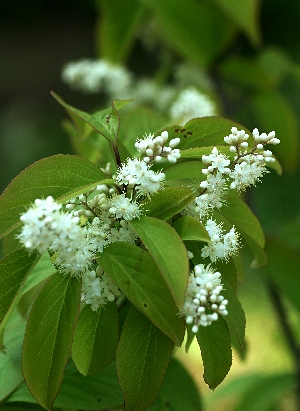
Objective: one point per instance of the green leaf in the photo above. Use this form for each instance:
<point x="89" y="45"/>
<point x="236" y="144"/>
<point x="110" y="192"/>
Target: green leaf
<point x="189" y="228"/>
<point x="203" y="132"/>
<point x="48" y="337"/>
<point x="184" y="170"/>
<point x="117" y="28"/>
<point x="273" y="112"/>
<point x="14" y="269"/>
<point x="197" y="30"/>
<point x="106" y="122"/>
<point x="142" y="357"/>
<point x="93" y="392"/>
<point x="215" y="345"/>
<point x="283" y="269"/>
<point x="239" y="214"/>
<point x="168" y="202"/>
<point x="134" y="123"/>
<point x="235" y="319"/>
<point x="60" y="176"/>
<point x="96" y="338"/>
<point x="178" y="391"/>
<point x="244" y="14"/>
<point x="136" y="274"/>
<point x="168" y="252"/>
<point x="10" y="357"/>
<point x="228" y="270"/>
<point x="43" y="269"/>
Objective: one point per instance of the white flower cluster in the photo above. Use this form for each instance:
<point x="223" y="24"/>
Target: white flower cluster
<point x="155" y="148"/>
<point x="191" y="103"/>
<point x="47" y="228"/>
<point x="222" y="245"/>
<point x="247" y="167"/>
<point x="75" y="232"/>
<point x="204" y="302"/>
<point x="98" y="288"/>
<point x="181" y="101"/>
<point x="94" y="76"/>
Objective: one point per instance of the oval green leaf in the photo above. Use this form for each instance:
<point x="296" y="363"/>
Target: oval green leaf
<point x="215" y="345"/>
<point x="48" y="337"/>
<point x="14" y="269"/>
<point x="189" y="228"/>
<point x="168" y="252"/>
<point x="142" y="357"/>
<point x="60" y="176"/>
<point x="168" y="202"/>
<point x="138" y="277"/>
<point x="96" y="338"/>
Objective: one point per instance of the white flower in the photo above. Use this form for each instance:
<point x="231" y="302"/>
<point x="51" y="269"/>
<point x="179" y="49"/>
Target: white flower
<point x="191" y="103"/>
<point x="203" y="300"/>
<point x="155" y="148"/>
<point x="138" y="174"/>
<point x="247" y="172"/>
<point x="216" y="161"/>
<point x="98" y="288"/>
<point x="96" y="75"/>
<point x="124" y="207"/>
<point x="221" y="246"/>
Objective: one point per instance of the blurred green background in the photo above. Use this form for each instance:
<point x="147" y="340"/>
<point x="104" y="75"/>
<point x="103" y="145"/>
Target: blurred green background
<point x="250" y="52"/>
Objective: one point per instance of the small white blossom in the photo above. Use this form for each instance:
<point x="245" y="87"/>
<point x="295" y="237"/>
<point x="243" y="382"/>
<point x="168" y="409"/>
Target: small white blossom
<point x="203" y="300"/>
<point x="138" y="174"/>
<point x="221" y="246"/>
<point x="155" y="148"/>
<point x="98" y="75"/>
<point x="98" y="288"/>
<point x="123" y="207"/>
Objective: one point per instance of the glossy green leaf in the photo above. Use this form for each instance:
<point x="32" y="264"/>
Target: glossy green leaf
<point x="197" y="30"/>
<point x="96" y="338"/>
<point x="60" y="176"/>
<point x="93" y="392"/>
<point x="178" y="391"/>
<point x="273" y="112"/>
<point x="135" y="121"/>
<point x="14" y="269"/>
<point x="106" y="122"/>
<point x="10" y="357"/>
<point x="117" y="28"/>
<point x="240" y="215"/>
<point x="203" y="132"/>
<point x="245" y="14"/>
<point x="283" y="269"/>
<point x="189" y="228"/>
<point x="168" y="202"/>
<point x="215" y="345"/>
<point x="43" y="269"/>
<point x="48" y="337"/>
<point x="136" y="274"/>
<point x="190" y="169"/>
<point x="235" y="319"/>
<point x="228" y="270"/>
<point x="168" y="252"/>
<point x="142" y="357"/>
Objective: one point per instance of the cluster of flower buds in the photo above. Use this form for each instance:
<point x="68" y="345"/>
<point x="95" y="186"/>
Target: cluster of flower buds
<point x="238" y="140"/>
<point x="155" y="148"/>
<point x="204" y="302"/>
